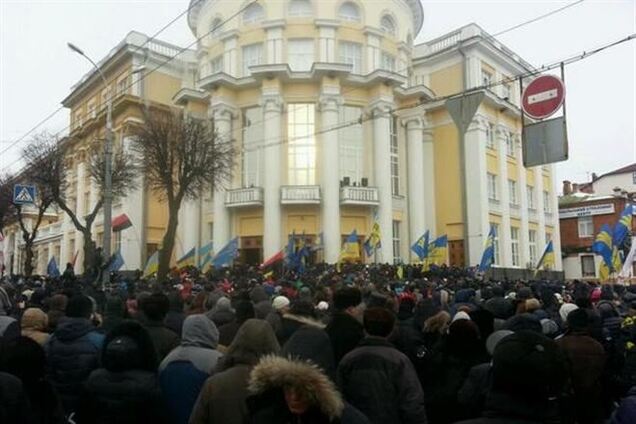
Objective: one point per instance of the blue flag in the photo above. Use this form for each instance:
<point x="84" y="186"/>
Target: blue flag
<point x="117" y="263"/>
<point x="602" y="245"/>
<point x="205" y="253"/>
<point x="51" y="269"/>
<point x="420" y="247"/>
<point x="488" y="256"/>
<point x="226" y="256"/>
<point x="623" y="227"/>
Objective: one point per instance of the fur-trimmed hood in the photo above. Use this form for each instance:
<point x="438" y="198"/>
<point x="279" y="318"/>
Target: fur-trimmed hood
<point x="275" y="372"/>
<point x="304" y="320"/>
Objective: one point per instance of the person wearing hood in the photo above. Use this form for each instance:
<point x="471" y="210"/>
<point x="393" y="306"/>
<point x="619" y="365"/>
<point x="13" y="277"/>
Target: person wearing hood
<point x="34" y="324"/>
<point x="125" y="390"/>
<point x="222" y="399"/>
<point x="175" y="316"/>
<point x="345" y="328"/>
<point x="227" y="332"/>
<point x="183" y="372"/>
<point x="57" y="310"/>
<point x="113" y="314"/>
<point x="73" y="351"/>
<point x="154" y="309"/>
<point x="222" y="312"/>
<point x="260" y="299"/>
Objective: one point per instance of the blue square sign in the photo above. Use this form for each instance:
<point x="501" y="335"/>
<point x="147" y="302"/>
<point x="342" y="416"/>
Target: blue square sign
<point x="23" y="194"/>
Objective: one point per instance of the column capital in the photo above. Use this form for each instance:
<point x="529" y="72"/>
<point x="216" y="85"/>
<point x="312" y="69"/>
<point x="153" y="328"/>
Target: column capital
<point x="221" y="109"/>
<point x="330" y="102"/>
<point x="381" y="106"/>
<point x="272" y="102"/>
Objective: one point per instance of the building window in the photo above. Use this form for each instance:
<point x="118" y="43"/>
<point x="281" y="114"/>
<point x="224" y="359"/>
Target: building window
<point x="512" y="192"/>
<point x="254" y="13"/>
<point x="349" y="12"/>
<point x="299" y="8"/>
<point x="506" y="91"/>
<point x="547" y="207"/>
<point x="252" y="139"/>
<point x="396" y="242"/>
<point x="490" y="135"/>
<point x="252" y="56"/>
<point x="91" y="109"/>
<point x="78" y="119"/>
<point x="122" y="85"/>
<point x="588" y="267"/>
<point x="532" y="246"/>
<point x="387" y="25"/>
<point x="215" y="27"/>
<point x="492" y="186"/>
<point x="395" y="163"/>
<point x="351" y="145"/>
<point x="514" y="245"/>
<point x="634" y="177"/>
<point x="586" y="226"/>
<point x="216" y="65"/>
<point x="351" y="54"/>
<point x="302" y="144"/>
<point x="530" y="196"/>
<point x="387" y="62"/>
<point x="486" y="78"/>
<point x="495" y="244"/>
<point x="300" y="54"/>
<point x="510" y="143"/>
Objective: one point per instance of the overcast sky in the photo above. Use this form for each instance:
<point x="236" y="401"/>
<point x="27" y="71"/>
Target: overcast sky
<point x="37" y="70"/>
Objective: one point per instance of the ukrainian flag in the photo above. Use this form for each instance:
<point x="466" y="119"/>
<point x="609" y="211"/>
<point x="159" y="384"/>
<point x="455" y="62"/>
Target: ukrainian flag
<point x="602" y="245"/>
<point x="420" y="247"/>
<point x="350" y="248"/>
<point x="205" y="254"/>
<point x="187" y="259"/>
<point x="547" y="259"/>
<point x="438" y="251"/>
<point x="488" y="257"/>
<point x="623" y="227"/>
<point x="373" y="242"/>
<point x="152" y="266"/>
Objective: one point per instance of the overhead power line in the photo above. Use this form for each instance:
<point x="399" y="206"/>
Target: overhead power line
<point x="538" y="18"/>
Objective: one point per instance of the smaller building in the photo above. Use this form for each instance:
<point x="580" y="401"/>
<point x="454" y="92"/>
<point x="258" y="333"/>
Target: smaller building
<point x="581" y="216"/>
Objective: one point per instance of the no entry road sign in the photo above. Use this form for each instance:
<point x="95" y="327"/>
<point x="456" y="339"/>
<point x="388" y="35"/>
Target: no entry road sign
<point x="543" y="96"/>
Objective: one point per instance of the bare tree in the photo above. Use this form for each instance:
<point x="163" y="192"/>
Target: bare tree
<point x="49" y="158"/>
<point x="7" y="211"/>
<point x="180" y="157"/>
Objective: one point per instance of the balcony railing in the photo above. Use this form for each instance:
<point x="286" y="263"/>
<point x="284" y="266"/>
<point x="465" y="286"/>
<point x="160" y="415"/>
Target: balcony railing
<point x="494" y="205"/>
<point x="359" y="196"/>
<point x="299" y="195"/>
<point x="52" y="230"/>
<point x="252" y="196"/>
<point x="514" y="209"/>
<point x="532" y="215"/>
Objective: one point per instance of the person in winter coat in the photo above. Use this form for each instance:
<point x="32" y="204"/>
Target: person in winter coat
<point x="113" y="314"/>
<point x="183" y="372"/>
<point x="292" y="391"/>
<point x="626" y="411"/>
<point x="57" y="310"/>
<point x="260" y="299"/>
<point x="125" y="390"/>
<point x="25" y="359"/>
<point x="227" y="332"/>
<point x="528" y="373"/>
<point x="9" y="328"/>
<point x="73" y="351"/>
<point x="222" y="399"/>
<point x="280" y="306"/>
<point x="345" y="329"/>
<point x="301" y="313"/>
<point x="500" y="307"/>
<point x="34" y="325"/>
<point x="222" y="312"/>
<point x="378" y="379"/>
<point x="175" y="316"/>
<point x="586" y="361"/>
<point x="154" y="309"/>
<point x="14" y="403"/>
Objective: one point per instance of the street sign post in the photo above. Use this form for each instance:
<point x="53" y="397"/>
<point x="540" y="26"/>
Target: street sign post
<point x="23" y="194"/>
<point x="543" y="96"/>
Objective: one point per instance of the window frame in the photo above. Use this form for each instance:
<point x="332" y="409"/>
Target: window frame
<point x="351" y="145"/>
<point x="350" y="18"/>
<point x="387" y="61"/>
<point x="357" y="61"/>
<point x="392" y="28"/>
<point x="252" y="141"/>
<point x="585" y="223"/>
<point x="258" y="14"/>
<point x="530" y="196"/>
<point x="300" y="12"/>
<point x="246" y="64"/>
<point x="301" y="53"/>
<point x="513" y="199"/>
<point x="395" y="229"/>
<point x="491" y="183"/>
<point x="305" y="173"/>
<point x="587" y="260"/>
<point x="395" y="157"/>
<point x="532" y="246"/>
<point x="514" y="246"/>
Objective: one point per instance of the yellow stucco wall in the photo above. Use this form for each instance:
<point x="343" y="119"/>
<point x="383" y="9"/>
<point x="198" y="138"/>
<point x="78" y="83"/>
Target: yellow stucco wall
<point x="161" y="87"/>
<point x="492" y="165"/>
<point x="447" y="176"/>
<point x="447" y="81"/>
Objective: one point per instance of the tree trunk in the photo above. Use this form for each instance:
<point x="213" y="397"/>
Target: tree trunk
<point x="89" y="252"/>
<point x="28" y="258"/>
<point x="167" y="245"/>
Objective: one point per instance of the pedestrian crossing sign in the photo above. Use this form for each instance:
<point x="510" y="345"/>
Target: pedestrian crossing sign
<point x="23" y="194"/>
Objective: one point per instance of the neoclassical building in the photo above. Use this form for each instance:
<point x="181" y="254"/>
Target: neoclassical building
<point x="338" y="121"/>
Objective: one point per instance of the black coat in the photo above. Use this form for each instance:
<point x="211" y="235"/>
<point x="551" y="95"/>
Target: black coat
<point x="14" y="404"/>
<point x="125" y="397"/>
<point x="162" y="337"/>
<point x="345" y="333"/>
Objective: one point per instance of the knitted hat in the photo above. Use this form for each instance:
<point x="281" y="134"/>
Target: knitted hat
<point x="493" y="340"/>
<point x="461" y="315"/>
<point x="565" y="310"/>
<point x="280" y="302"/>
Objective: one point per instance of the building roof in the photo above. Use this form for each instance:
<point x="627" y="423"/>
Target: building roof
<point x="624" y="170"/>
<point x="579" y="197"/>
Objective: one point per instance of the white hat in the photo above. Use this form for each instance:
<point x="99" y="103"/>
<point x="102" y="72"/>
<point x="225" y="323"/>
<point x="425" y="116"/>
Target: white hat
<point x="461" y="315"/>
<point x="565" y="310"/>
<point x="493" y="340"/>
<point x="322" y="306"/>
<point x="280" y="302"/>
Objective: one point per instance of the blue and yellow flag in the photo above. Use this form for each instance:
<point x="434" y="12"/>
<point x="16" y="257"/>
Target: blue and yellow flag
<point x="373" y="242"/>
<point x="437" y="252"/>
<point x="152" y="265"/>
<point x="205" y="254"/>
<point x="420" y="247"/>
<point x="226" y="256"/>
<point x="117" y="263"/>
<point x="603" y="272"/>
<point x="617" y="261"/>
<point x="51" y="269"/>
<point x="187" y="259"/>
<point x="602" y="245"/>
<point x="350" y="248"/>
<point x="547" y="259"/>
<point x="623" y="227"/>
<point x="488" y="257"/>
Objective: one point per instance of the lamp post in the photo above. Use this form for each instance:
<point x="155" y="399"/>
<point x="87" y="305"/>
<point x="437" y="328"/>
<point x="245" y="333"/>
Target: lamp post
<point x="108" y="171"/>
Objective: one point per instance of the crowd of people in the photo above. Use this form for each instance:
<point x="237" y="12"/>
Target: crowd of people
<point x="351" y="345"/>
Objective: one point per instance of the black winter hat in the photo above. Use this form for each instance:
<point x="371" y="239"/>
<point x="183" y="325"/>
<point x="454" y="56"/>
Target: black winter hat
<point x="122" y="353"/>
<point x="578" y="319"/>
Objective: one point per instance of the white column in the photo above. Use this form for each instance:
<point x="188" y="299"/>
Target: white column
<point x="327" y="44"/>
<point x="415" y="177"/>
<point x="272" y="107"/>
<point x="429" y="181"/>
<point x="230" y="55"/>
<point x="505" y="247"/>
<point x="382" y="166"/>
<point x="133" y="206"/>
<point x="223" y="120"/>
<point x="476" y="192"/>
<point x="373" y="53"/>
<point x="275" y="44"/>
<point x="329" y="112"/>
<point x="524" y="243"/>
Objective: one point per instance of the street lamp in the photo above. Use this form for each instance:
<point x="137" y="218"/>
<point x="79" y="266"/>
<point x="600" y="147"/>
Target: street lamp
<point x="108" y="171"/>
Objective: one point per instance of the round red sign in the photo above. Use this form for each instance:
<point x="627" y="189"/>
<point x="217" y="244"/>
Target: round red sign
<point x="543" y="96"/>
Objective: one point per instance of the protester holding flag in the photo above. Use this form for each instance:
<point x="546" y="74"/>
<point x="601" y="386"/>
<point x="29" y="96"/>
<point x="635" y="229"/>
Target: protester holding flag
<point x="420" y="247"/>
<point x="488" y="257"/>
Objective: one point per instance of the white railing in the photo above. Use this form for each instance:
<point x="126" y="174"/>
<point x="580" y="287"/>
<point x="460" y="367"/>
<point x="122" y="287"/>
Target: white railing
<point x="299" y="194"/>
<point x="252" y="196"/>
<point x="359" y="196"/>
<point x="163" y="48"/>
<point x="52" y="230"/>
<point x="446" y="42"/>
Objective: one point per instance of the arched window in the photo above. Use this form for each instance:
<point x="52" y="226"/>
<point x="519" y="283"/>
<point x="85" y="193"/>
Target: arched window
<point x="349" y="12"/>
<point x="387" y="25"/>
<point x="254" y="13"/>
<point x="300" y="8"/>
<point x="216" y="27"/>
